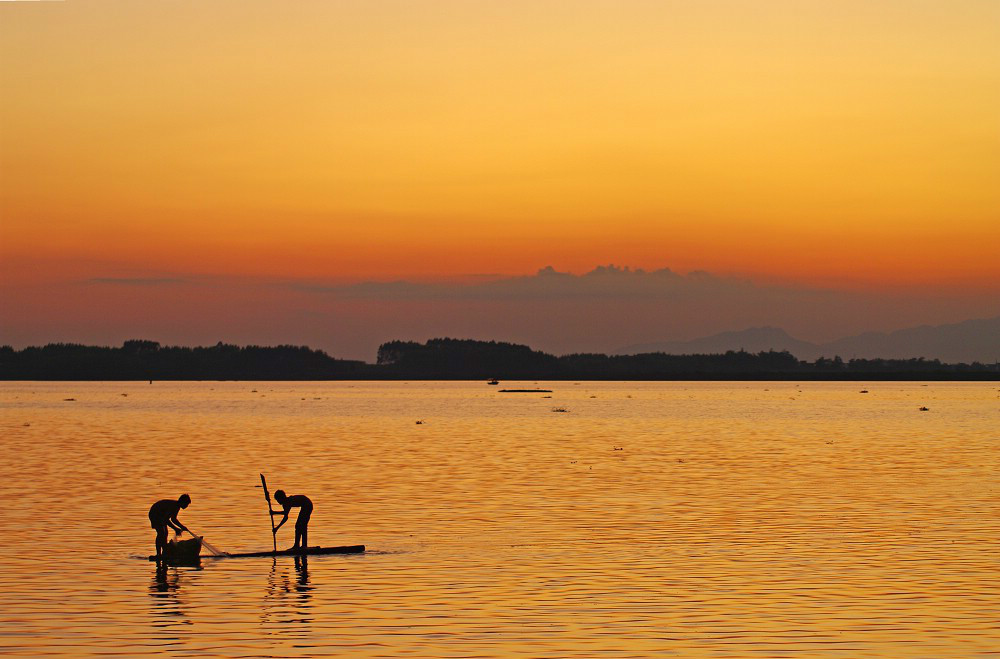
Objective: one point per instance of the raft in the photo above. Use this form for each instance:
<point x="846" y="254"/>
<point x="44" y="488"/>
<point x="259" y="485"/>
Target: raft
<point x="308" y="551"/>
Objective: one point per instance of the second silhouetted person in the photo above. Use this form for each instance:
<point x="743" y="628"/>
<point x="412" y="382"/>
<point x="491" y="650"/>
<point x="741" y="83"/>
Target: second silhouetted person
<point x="305" y="506"/>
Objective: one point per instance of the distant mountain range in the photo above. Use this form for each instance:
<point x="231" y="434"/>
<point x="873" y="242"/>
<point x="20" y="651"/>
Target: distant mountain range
<point x="969" y="341"/>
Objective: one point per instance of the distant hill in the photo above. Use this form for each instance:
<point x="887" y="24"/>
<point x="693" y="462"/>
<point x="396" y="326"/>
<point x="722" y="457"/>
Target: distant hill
<point x="968" y="341"/>
<point x="755" y="339"/>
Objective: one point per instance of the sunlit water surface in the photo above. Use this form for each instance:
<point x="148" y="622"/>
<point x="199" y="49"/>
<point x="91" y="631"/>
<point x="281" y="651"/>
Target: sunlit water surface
<point x="647" y="519"/>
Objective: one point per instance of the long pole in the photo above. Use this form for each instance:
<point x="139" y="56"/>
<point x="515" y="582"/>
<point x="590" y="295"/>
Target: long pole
<point x="270" y="512"/>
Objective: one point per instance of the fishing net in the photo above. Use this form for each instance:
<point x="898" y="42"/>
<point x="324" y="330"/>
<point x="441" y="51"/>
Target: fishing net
<point x="212" y="549"/>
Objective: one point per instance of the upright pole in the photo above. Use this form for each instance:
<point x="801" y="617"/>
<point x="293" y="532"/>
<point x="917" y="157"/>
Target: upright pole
<point x="270" y="512"/>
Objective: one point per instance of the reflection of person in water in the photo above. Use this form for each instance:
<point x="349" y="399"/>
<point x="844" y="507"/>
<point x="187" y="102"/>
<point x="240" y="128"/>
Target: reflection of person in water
<point x="289" y="595"/>
<point x="168" y="604"/>
<point x="164" y="513"/>
<point x="305" y="506"/>
<point x="302" y="569"/>
<point x="161" y="582"/>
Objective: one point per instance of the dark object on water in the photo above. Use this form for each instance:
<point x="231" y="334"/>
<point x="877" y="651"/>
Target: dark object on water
<point x="181" y="551"/>
<point x="526" y="391"/>
<point x="308" y="551"/>
<point x="863" y="391"/>
<point x="493" y="381"/>
<point x="925" y="409"/>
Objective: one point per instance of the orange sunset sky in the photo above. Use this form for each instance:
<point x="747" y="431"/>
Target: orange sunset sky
<point x="849" y="146"/>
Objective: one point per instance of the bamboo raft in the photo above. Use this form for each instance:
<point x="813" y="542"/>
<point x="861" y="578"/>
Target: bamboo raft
<point x="307" y="551"/>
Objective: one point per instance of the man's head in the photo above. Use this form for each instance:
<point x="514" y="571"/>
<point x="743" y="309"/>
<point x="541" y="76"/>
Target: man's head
<point x="280" y="496"/>
<point x="185" y="501"/>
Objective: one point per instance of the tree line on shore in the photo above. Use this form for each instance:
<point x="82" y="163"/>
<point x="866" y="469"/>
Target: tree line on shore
<point x="448" y="359"/>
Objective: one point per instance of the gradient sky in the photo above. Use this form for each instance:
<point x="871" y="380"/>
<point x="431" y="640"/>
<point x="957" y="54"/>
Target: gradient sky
<point x="836" y="145"/>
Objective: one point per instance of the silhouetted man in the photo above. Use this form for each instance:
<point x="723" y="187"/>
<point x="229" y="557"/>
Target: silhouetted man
<point x="302" y="502"/>
<point x="164" y="513"/>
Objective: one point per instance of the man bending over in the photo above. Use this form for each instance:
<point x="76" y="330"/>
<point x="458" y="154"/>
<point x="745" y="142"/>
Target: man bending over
<point x="305" y="506"/>
<point x="164" y="513"/>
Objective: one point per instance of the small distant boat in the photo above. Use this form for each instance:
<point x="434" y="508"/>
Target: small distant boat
<point x="493" y="381"/>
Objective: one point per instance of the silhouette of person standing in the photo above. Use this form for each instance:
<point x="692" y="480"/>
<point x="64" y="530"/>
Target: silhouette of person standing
<point x="305" y="505"/>
<point x="164" y="513"/>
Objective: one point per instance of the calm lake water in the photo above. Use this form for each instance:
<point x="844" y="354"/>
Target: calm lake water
<point x="646" y="520"/>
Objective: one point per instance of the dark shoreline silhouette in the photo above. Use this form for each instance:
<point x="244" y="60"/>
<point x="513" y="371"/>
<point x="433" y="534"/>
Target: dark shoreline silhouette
<point x="449" y="359"/>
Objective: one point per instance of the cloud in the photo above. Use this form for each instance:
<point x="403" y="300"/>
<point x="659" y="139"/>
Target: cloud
<point x="612" y="306"/>
<point x="136" y="281"/>
<point x="559" y="312"/>
<point x="603" y="282"/>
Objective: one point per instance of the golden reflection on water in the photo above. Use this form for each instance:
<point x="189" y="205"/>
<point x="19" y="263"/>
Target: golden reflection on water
<point x="650" y="519"/>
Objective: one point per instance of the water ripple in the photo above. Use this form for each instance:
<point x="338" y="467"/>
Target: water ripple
<point x="654" y="519"/>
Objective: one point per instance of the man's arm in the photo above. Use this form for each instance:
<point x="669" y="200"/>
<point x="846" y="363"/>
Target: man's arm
<point x="283" y="520"/>
<point x="176" y="525"/>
